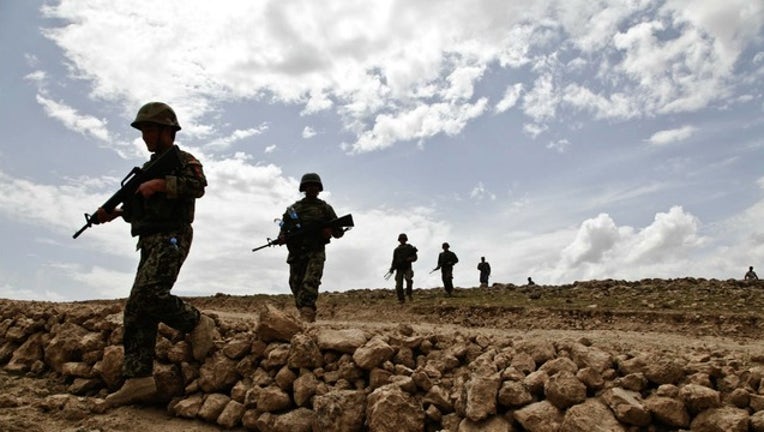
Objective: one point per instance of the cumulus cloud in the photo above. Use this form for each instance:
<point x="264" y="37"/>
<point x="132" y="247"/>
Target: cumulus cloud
<point x="308" y="132"/>
<point x="382" y="67"/>
<point x="602" y="249"/>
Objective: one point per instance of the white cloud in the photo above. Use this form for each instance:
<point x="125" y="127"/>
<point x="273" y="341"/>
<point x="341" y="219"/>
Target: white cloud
<point x="560" y="145"/>
<point x="388" y="62"/>
<point x="670" y="136"/>
<point x="84" y="124"/>
<point x="511" y="96"/>
<point x="237" y="135"/>
<point x="601" y="249"/>
<point x="308" y="132"/>
<point x="270" y="149"/>
<point x="479" y="192"/>
<point x="424" y="121"/>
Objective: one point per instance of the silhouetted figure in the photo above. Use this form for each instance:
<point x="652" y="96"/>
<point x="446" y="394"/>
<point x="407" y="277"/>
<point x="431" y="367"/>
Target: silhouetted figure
<point x="446" y="261"/>
<point x="485" y="271"/>
<point x="403" y="256"/>
<point x="530" y="281"/>
<point x="751" y="275"/>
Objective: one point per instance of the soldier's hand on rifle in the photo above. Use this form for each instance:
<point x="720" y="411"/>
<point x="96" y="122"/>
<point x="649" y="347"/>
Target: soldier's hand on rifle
<point x="149" y="188"/>
<point x="280" y="240"/>
<point x="102" y="216"/>
<point x="326" y="233"/>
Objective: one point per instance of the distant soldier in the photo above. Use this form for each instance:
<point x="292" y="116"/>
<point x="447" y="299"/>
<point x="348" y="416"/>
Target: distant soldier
<point x="530" y="281"/>
<point x="751" y="275"/>
<point x="307" y="253"/>
<point x="403" y="255"/>
<point x="485" y="271"/>
<point x="446" y="261"/>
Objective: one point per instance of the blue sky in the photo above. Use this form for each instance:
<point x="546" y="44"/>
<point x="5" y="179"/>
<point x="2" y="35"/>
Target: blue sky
<point x="569" y="140"/>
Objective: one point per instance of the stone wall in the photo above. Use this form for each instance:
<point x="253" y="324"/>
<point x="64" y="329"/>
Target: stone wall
<point x="274" y="374"/>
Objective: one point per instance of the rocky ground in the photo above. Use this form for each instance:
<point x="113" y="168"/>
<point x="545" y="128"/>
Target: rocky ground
<point x="652" y="355"/>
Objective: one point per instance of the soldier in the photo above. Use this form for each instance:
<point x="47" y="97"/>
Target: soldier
<point x="485" y="271"/>
<point x="160" y="215"/>
<point x="403" y="255"/>
<point x="751" y="275"/>
<point x="307" y="252"/>
<point x="446" y="261"/>
<point x="530" y="281"/>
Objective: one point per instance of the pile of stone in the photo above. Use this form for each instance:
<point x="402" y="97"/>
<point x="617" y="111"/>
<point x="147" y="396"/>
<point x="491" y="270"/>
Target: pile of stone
<point x="276" y="374"/>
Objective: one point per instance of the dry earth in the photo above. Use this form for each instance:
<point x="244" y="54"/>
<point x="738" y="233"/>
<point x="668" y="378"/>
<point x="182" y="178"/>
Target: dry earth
<point x="680" y="315"/>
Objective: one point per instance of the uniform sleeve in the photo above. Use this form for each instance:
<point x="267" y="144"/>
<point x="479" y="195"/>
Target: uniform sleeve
<point x="189" y="182"/>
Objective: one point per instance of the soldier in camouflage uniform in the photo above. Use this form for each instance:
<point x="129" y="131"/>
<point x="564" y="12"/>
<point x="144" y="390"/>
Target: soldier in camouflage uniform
<point x="160" y="215"/>
<point x="446" y="261"/>
<point x="485" y="271"/>
<point x="403" y="255"/>
<point x="307" y="251"/>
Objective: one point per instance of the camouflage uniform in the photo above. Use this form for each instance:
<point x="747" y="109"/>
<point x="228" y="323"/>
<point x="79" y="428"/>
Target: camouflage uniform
<point x="162" y="224"/>
<point x="446" y="261"/>
<point x="403" y="256"/>
<point x="307" y="252"/>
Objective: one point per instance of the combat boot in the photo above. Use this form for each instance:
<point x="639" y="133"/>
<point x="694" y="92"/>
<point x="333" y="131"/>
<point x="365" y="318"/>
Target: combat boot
<point x="132" y="391"/>
<point x="201" y="337"/>
<point x="308" y="314"/>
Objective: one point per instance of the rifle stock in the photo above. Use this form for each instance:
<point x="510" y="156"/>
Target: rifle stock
<point x="344" y="222"/>
<point x="162" y="166"/>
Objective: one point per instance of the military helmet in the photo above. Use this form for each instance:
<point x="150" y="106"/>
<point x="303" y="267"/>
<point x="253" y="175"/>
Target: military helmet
<point x="311" y="178"/>
<point x="158" y="113"/>
<point x="445" y="245"/>
<point x="403" y="236"/>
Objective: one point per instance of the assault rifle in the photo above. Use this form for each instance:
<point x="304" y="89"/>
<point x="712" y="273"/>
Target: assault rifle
<point x="344" y="222"/>
<point x="158" y="168"/>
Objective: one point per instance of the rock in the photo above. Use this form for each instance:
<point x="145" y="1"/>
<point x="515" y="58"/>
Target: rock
<point x="481" y="397"/>
<point x="698" y="398"/>
<point x="727" y="419"/>
<point x="514" y="394"/>
<point x="564" y="390"/>
<point x="372" y="354"/>
<point x="273" y="399"/>
<point x="340" y="410"/>
<point x="231" y="415"/>
<point x="109" y="369"/>
<point x="392" y="410"/>
<point x="213" y="405"/>
<point x="627" y="406"/>
<point x="668" y="411"/>
<point x="539" y="417"/>
<point x="590" y="416"/>
<point x="492" y="424"/>
<point x="344" y="341"/>
<point x="218" y="373"/>
<point x="304" y="353"/>
<point x="275" y="325"/>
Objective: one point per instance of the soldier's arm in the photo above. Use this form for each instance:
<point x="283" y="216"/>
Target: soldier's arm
<point x="189" y="182"/>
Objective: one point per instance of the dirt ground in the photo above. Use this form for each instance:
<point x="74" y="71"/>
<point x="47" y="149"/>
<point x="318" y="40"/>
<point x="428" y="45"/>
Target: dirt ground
<point x="676" y="316"/>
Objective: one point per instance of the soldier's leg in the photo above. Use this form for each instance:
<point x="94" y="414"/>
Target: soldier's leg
<point x="314" y="270"/>
<point x="139" y="335"/>
<point x="157" y="275"/>
<point x="399" y="274"/>
<point x="297" y="270"/>
<point x="410" y="284"/>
